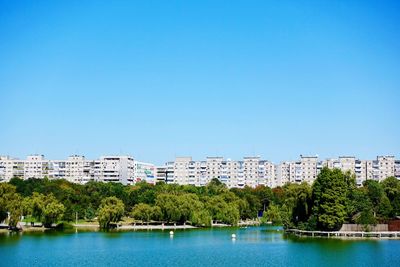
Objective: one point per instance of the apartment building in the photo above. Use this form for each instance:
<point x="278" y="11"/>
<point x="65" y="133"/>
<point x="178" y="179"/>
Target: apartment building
<point x="397" y="169"/>
<point x="145" y="172"/>
<point x="116" y="169"/>
<point x="251" y="171"/>
<point x="236" y="173"/>
<point x="10" y="167"/>
<point x="362" y="171"/>
<point x="75" y="169"/>
<point x="57" y="169"/>
<point x="266" y="173"/>
<point x="161" y="173"/>
<point x="282" y="174"/>
<point x="181" y="170"/>
<point x="215" y="169"/>
<point x="383" y="167"/>
<point x="304" y="170"/>
<point x="36" y="166"/>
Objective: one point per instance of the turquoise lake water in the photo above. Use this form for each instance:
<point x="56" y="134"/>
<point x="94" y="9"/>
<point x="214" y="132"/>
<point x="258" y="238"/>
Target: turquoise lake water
<point x="254" y="246"/>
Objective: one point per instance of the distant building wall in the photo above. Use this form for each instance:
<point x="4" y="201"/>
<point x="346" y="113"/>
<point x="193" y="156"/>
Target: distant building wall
<point x="360" y="228"/>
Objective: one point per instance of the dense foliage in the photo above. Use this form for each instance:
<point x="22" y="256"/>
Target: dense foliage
<point x="332" y="200"/>
<point x="111" y="211"/>
<point x="49" y="201"/>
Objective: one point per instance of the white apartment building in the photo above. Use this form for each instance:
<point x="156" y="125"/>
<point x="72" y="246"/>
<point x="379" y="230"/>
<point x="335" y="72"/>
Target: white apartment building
<point x="304" y="170"/>
<point x="282" y="174"/>
<point x="397" y="169"/>
<point x="115" y="169"/>
<point x="347" y="163"/>
<point x="57" y="169"/>
<point x="145" y="172"/>
<point x="165" y="173"/>
<point x="215" y="170"/>
<point x="36" y="167"/>
<point x="236" y="173"/>
<point x="309" y="168"/>
<point x="251" y="171"/>
<point x="74" y="169"/>
<point x="10" y="167"/>
<point x="383" y="167"/>
<point x="362" y="170"/>
<point x="181" y="170"/>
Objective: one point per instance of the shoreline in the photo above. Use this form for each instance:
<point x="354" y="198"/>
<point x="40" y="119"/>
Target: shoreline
<point x="136" y="227"/>
<point x="345" y="234"/>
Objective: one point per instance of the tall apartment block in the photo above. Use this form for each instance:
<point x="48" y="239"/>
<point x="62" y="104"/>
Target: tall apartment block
<point x="77" y="169"/>
<point x="145" y="172"/>
<point x="251" y="171"/>
<point x="397" y="169"/>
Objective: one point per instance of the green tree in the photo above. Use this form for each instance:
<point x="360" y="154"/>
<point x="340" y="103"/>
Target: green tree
<point x="156" y="213"/>
<point x="286" y="216"/>
<point x="90" y="213"/>
<point x="201" y="218"/>
<point x="110" y="211"/>
<point x="375" y="193"/>
<point x="298" y="199"/>
<point x="366" y="218"/>
<point x="142" y="212"/>
<point x="273" y="215"/>
<point x="169" y="207"/>
<point x="221" y="211"/>
<point x="384" y="210"/>
<point x="7" y="194"/>
<point x="52" y="212"/>
<point x="45" y="208"/>
<point x="391" y="186"/>
<point x="188" y="204"/>
<point x="329" y="193"/>
<point x="264" y="195"/>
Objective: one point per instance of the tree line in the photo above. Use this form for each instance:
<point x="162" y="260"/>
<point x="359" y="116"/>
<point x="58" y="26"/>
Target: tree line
<point x="52" y="201"/>
<point x="332" y="200"/>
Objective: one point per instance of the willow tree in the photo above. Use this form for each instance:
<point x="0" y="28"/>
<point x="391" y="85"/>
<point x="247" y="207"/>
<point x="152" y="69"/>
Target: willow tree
<point x="110" y="211"/>
<point x="44" y="208"/>
<point x="10" y="204"/>
<point x="142" y="212"/>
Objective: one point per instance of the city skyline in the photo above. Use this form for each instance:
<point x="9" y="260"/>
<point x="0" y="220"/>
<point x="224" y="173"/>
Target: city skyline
<point x="249" y="171"/>
<point x="171" y="79"/>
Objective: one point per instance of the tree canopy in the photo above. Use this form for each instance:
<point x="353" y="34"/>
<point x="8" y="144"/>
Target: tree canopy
<point x="332" y="200"/>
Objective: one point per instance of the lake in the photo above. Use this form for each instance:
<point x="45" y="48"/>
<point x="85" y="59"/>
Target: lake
<point x="254" y="246"/>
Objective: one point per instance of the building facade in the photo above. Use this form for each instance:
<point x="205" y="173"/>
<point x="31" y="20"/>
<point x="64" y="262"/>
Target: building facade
<point x="251" y="171"/>
<point x="145" y="172"/>
<point x="75" y="169"/>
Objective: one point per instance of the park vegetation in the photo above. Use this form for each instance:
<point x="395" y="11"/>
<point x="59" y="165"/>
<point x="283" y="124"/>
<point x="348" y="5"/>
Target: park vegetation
<point x="332" y="200"/>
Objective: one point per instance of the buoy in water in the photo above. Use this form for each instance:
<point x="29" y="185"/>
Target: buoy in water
<point x="233" y="236"/>
<point x="171" y="233"/>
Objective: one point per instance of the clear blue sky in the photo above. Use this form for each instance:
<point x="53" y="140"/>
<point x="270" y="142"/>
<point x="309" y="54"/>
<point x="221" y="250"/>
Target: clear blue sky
<point x="159" y="79"/>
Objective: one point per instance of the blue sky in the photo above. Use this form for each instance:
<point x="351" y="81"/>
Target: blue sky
<point x="159" y="79"/>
